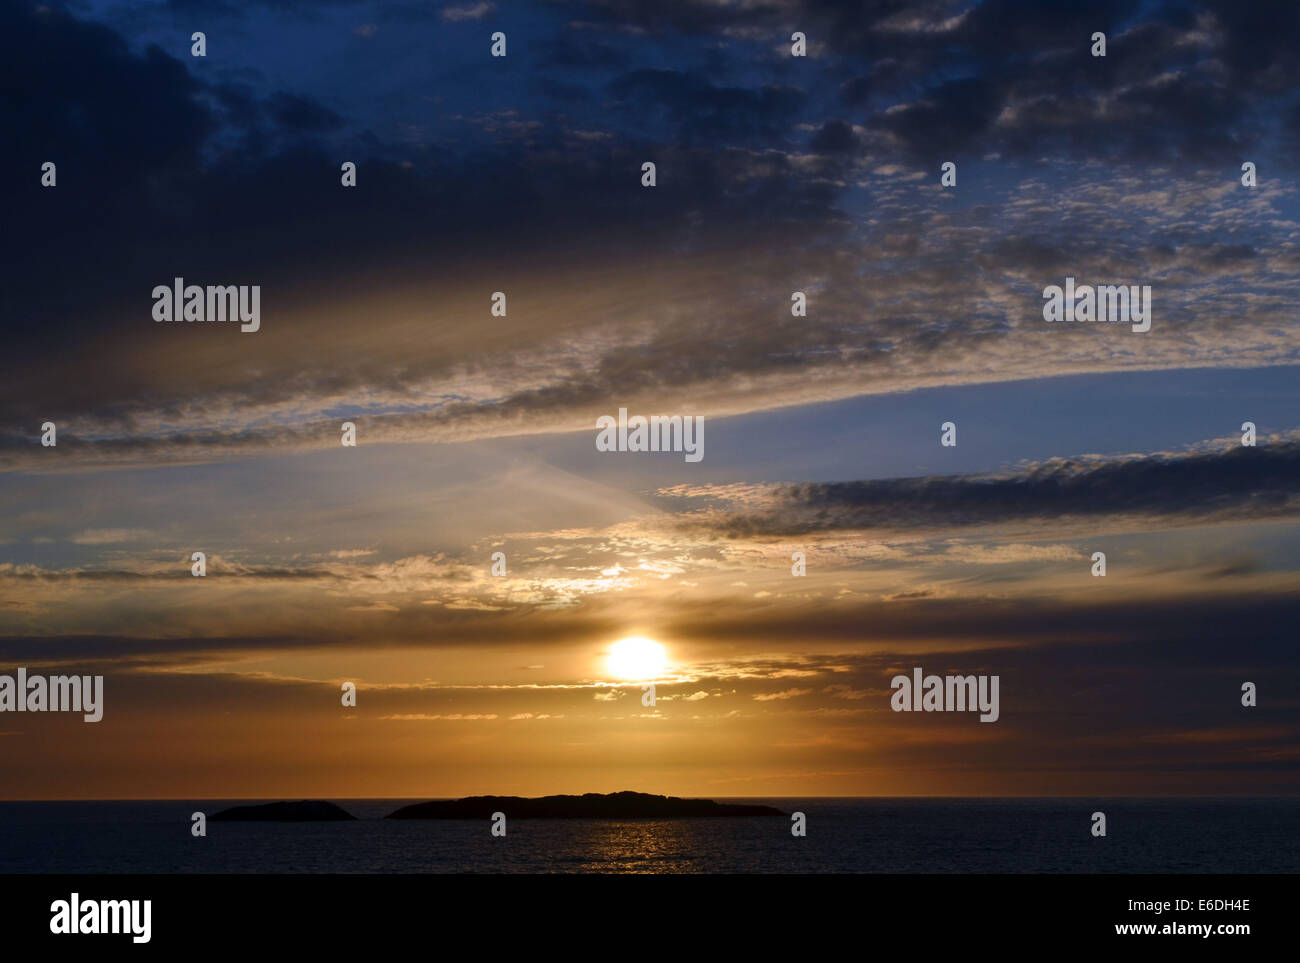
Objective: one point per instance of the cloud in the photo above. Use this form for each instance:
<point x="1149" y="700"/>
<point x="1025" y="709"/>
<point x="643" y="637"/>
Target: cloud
<point x="693" y="697"/>
<point x="783" y="694"/>
<point x="109" y="536"/>
<point x="690" y="309"/>
<point x="1169" y="489"/>
<point x="469" y="11"/>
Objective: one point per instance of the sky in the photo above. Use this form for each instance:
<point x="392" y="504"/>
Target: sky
<point x="476" y="433"/>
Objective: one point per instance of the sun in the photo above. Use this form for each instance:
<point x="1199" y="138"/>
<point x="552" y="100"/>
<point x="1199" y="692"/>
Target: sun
<point x="637" y="658"/>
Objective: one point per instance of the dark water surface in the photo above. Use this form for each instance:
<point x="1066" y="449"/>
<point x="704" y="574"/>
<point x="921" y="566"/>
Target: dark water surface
<point x="844" y="836"/>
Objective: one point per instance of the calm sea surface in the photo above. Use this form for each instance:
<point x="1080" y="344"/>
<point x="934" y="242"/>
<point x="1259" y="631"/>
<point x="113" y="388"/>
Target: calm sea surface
<point x="844" y="836"/>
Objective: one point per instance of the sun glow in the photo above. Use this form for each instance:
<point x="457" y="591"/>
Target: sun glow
<point x="637" y="659"/>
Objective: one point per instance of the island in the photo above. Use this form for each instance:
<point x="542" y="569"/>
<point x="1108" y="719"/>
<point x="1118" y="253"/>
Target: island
<point x="305" y="811"/>
<point x="617" y="805"/>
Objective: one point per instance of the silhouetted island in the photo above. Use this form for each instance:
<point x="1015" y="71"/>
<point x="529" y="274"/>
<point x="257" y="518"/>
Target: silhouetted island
<point x="592" y="805"/>
<point x="308" y="810"/>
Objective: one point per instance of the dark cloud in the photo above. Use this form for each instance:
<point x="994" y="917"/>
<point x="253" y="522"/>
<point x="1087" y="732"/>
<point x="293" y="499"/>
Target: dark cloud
<point x="143" y="198"/>
<point x="834" y="137"/>
<point x="301" y="114"/>
<point x="696" y="108"/>
<point x="1258" y="42"/>
<point x="1235" y="483"/>
<point x="218" y="177"/>
<point x="1181" y="82"/>
<point x="583" y="51"/>
<point x="950" y="117"/>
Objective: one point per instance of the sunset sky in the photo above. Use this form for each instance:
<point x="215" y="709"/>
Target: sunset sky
<point x="476" y="434"/>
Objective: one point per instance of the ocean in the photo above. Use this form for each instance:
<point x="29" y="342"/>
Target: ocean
<point x="931" y="835"/>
